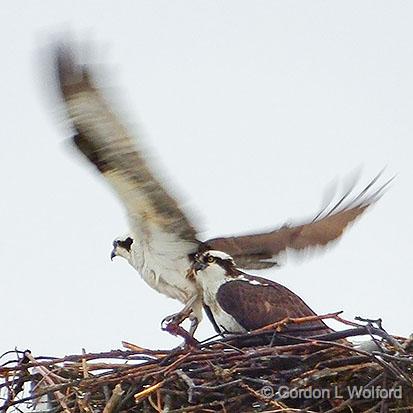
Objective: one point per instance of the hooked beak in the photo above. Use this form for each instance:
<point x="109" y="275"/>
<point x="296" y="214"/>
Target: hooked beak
<point x="199" y="266"/>
<point x="113" y="253"/>
<point x="195" y="267"/>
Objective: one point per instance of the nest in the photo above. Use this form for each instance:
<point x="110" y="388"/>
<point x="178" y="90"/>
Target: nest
<point x="263" y="371"/>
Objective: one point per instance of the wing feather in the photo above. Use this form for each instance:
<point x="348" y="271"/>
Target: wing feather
<point x="102" y="138"/>
<point x="260" y="250"/>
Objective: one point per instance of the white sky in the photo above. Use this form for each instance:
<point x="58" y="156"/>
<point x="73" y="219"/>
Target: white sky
<point x="252" y="108"/>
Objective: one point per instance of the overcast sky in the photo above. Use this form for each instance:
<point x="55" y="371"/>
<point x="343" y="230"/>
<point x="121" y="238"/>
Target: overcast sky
<point x="252" y="109"/>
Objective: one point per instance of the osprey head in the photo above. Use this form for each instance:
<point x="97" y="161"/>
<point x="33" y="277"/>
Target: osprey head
<point x="122" y="247"/>
<point x="212" y="259"/>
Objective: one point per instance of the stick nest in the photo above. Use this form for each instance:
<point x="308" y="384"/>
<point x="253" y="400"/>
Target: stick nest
<point x="263" y="371"/>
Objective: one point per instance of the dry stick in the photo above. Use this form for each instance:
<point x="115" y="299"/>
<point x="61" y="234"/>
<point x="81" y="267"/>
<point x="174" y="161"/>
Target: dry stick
<point x="385" y="335"/>
<point x="175" y="364"/>
<point x="46" y="373"/>
<point x="260" y="397"/>
<point x="198" y="407"/>
<point x="189" y="382"/>
<point x="139" y="397"/>
<point x="117" y="393"/>
<point x="404" y="360"/>
<point x="396" y="371"/>
<point x="346" y="403"/>
<point x="84" y="365"/>
<point x="83" y="403"/>
<point x="347" y="322"/>
<point x="104" y="366"/>
<point x="14" y="388"/>
<point x="233" y="348"/>
<point x="374" y="408"/>
<point x="38" y="395"/>
<point x="138" y="349"/>
<point x="152" y="403"/>
<point x="290" y="410"/>
<point x="300" y="320"/>
<point x="115" y="354"/>
<point x="158" y="400"/>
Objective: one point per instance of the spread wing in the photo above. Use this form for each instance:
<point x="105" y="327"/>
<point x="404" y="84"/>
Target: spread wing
<point x="256" y="302"/>
<point x="257" y="251"/>
<point x="108" y="145"/>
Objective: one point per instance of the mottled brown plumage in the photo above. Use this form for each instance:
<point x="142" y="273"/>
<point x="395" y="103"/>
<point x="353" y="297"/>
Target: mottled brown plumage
<point x="257" y="305"/>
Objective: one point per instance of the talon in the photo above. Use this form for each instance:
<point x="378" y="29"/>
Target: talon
<point x="168" y="319"/>
<point x="172" y="320"/>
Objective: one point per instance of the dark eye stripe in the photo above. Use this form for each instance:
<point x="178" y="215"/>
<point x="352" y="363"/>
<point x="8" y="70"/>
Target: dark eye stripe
<point x="126" y="244"/>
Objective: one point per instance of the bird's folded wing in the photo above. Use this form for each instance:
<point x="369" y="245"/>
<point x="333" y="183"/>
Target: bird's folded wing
<point x="257" y="251"/>
<point x="260" y="302"/>
<point x="107" y="144"/>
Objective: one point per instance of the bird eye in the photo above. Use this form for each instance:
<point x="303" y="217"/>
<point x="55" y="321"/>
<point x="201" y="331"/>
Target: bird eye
<point x="210" y="259"/>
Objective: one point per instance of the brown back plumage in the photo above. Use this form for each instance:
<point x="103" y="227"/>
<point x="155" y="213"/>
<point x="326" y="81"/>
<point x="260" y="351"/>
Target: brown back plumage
<point x="263" y="302"/>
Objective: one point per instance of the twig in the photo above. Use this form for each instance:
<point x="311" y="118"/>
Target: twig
<point x="117" y="393"/>
<point x="47" y="374"/>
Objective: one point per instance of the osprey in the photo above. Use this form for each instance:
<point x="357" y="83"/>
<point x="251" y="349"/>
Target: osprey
<point x="236" y="302"/>
<point x="162" y="240"/>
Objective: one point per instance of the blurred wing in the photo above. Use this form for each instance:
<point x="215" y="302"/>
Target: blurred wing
<point x="257" y="251"/>
<point x="107" y="144"/>
<point x="258" y="302"/>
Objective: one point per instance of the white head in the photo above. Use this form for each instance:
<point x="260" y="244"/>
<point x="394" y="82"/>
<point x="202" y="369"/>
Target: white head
<point x="212" y="263"/>
<point x="122" y="247"/>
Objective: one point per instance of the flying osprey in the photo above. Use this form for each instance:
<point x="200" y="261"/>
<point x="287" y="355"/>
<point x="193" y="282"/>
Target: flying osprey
<point x="162" y="241"/>
<point x="236" y="302"/>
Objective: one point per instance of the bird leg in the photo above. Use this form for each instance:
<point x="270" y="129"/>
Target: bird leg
<point x="171" y="323"/>
<point x="182" y="315"/>
<point x="194" y="324"/>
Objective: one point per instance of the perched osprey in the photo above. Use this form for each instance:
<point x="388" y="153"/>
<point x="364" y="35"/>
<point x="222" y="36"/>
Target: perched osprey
<point x="236" y="302"/>
<point x="162" y="241"/>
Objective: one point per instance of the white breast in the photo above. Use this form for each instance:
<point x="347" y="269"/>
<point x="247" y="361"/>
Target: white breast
<point x="164" y="267"/>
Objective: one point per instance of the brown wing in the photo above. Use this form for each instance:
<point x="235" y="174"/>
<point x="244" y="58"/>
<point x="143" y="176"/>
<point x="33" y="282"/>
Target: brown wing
<point x="256" y="251"/>
<point x="109" y="146"/>
<point x="259" y="302"/>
